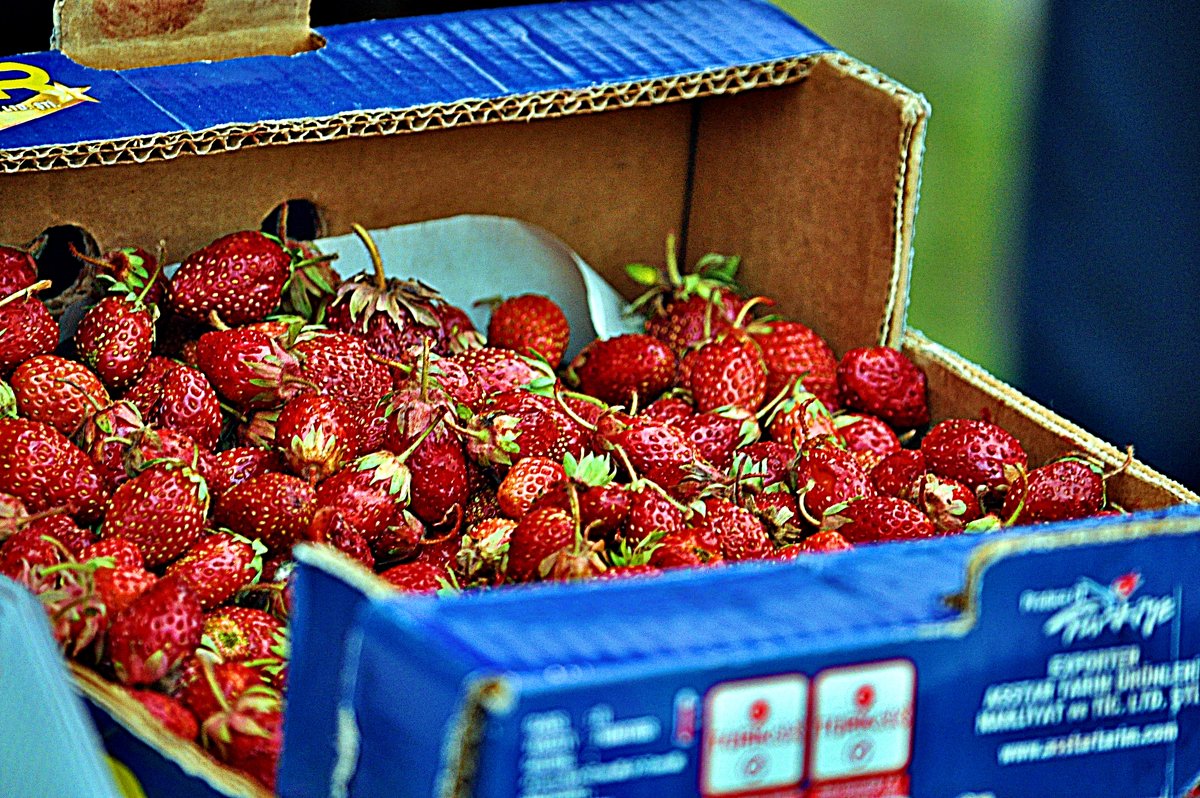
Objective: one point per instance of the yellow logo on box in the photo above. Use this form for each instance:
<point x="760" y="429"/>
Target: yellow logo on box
<point x="47" y="97"/>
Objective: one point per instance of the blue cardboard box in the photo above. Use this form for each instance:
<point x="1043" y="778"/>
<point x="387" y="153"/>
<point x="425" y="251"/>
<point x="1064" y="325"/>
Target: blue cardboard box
<point x="1047" y="663"/>
<point x="607" y="123"/>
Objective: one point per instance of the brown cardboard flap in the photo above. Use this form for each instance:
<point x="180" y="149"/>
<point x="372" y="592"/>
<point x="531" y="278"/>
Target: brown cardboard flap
<point x="119" y="34"/>
<point x="815" y="185"/>
<point x="959" y="388"/>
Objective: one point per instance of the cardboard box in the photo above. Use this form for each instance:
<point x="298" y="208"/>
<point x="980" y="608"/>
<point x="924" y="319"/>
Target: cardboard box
<point x="606" y="123"/>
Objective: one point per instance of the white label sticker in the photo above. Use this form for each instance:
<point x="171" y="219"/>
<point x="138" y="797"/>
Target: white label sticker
<point x="753" y="735"/>
<point x="862" y="720"/>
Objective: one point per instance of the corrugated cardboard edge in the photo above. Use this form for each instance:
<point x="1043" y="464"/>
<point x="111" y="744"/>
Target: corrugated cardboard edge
<point x="127" y="711"/>
<point x="914" y="112"/>
<point x="1010" y="397"/>
<point x="390" y="121"/>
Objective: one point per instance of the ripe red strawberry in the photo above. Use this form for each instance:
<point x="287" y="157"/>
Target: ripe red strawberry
<point x="415" y="577"/>
<point x="163" y="510"/>
<point x="650" y="445"/>
<point x="496" y="370"/>
<point x="827" y="476"/>
<point x="972" y="452"/>
<point x="241" y="634"/>
<point x="151" y="445"/>
<point x="392" y="316"/>
<point x="124" y="553"/>
<point x="60" y="392"/>
<point x="816" y="543"/>
<point x="727" y="373"/>
<point x="62" y="528"/>
<point x="771" y="461"/>
<point x="370" y="493"/>
<point x="340" y="366"/>
<point x="716" y="436"/>
<point x="878" y="519"/>
<point x="883" y="382"/>
<point x="329" y="526"/>
<point x="168" y="712"/>
<point x="617" y="369"/>
<point x="869" y="437"/>
<point x="530" y="325"/>
<point x="26" y="327"/>
<point x="738" y="532"/>
<point x="13" y="515"/>
<point x="801" y="418"/>
<point x="218" y="566"/>
<point x="650" y="512"/>
<point x="106" y="436"/>
<point x="155" y="633"/>
<point x="233" y="466"/>
<point x="683" y="323"/>
<point x="253" y="744"/>
<point x="217" y="687"/>
<point x="400" y="540"/>
<point x="115" y="338"/>
<point x="538" y="538"/>
<point x="481" y="559"/>
<point x="439" y="480"/>
<point x="275" y="508"/>
<point x="17" y="270"/>
<point x="248" y="367"/>
<point x="45" y="471"/>
<point x="119" y="586"/>
<point x="542" y="428"/>
<point x="526" y="482"/>
<point x="949" y="504"/>
<point x="684" y="549"/>
<point x="895" y="474"/>
<point x="1059" y="491"/>
<point x="240" y="276"/>
<point x="190" y="405"/>
<point x="146" y="392"/>
<point x="790" y="352"/>
<point x="317" y="435"/>
<point x="667" y="409"/>
<point x="26" y="553"/>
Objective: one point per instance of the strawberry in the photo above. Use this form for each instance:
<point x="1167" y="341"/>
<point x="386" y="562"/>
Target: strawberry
<point x="106" y="436"/>
<point x="190" y="405"/>
<point x="239" y="276"/>
<point x="740" y="535"/>
<point x="800" y="418"/>
<point x="538" y="426"/>
<point x="684" y="549"/>
<point x="826" y="476"/>
<point x="651" y="513"/>
<point x="869" y="437"/>
<point x="329" y="526"/>
<point x="791" y="352"/>
<point x="727" y="373"/>
<point x="124" y="553"/>
<point x="248" y="367"/>
<point x="716" y="436"/>
<point x="972" y="452"/>
<point x="58" y="391"/>
<point x="234" y="466"/>
<point x="152" y="445"/>
<point x="316" y="436"/>
<point x="949" y="504"/>
<point x="526" y="482"/>
<point x="392" y="316"/>
<point x="668" y="409"/>
<point x="530" y="325"/>
<point x="62" y="528"/>
<point x="770" y="461"/>
<point x="340" y="366"/>
<point x="496" y="370"/>
<point x="18" y="270"/>
<point x="218" y="566"/>
<point x="817" y="543"/>
<point x="45" y="471"/>
<point x="878" y="519"/>
<point x="415" y="577"/>
<point x="275" y="508"/>
<point x="896" y="473"/>
<point x="683" y="323"/>
<point x="26" y="553"/>
<point x="649" y="445"/>
<point x="26" y="327"/>
<point x="115" y="338"/>
<point x="120" y="586"/>
<point x="216" y="687"/>
<point x="370" y="492"/>
<point x="130" y="270"/>
<point x="168" y="712"/>
<point x="439" y="480"/>
<point x="400" y="540"/>
<point x="13" y="515"/>
<point x="1059" y="491"/>
<point x="155" y="633"/>
<point x="537" y="539"/>
<point x="883" y="382"/>
<point x="619" y="369"/>
<point x="241" y="634"/>
<point x="163" y="510"/>
<point x="253" y="743"/>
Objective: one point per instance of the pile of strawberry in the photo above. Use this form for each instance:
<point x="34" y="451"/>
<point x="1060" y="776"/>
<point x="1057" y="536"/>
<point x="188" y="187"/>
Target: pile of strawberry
<point x="157" y="467"/>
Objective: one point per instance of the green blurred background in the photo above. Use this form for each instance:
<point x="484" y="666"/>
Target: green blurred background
<point x="974" y="60"/>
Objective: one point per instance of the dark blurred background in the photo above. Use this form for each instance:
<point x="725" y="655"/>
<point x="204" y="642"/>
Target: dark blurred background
<point x="1057" y="239"/>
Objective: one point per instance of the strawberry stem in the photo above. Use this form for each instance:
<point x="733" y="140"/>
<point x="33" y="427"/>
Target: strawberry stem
<point x="25" y="292"/>
<point x="376" y="259"/>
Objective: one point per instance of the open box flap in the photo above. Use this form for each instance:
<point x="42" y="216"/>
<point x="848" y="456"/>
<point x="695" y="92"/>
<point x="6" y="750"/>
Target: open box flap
<point x="563" y="58"/>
